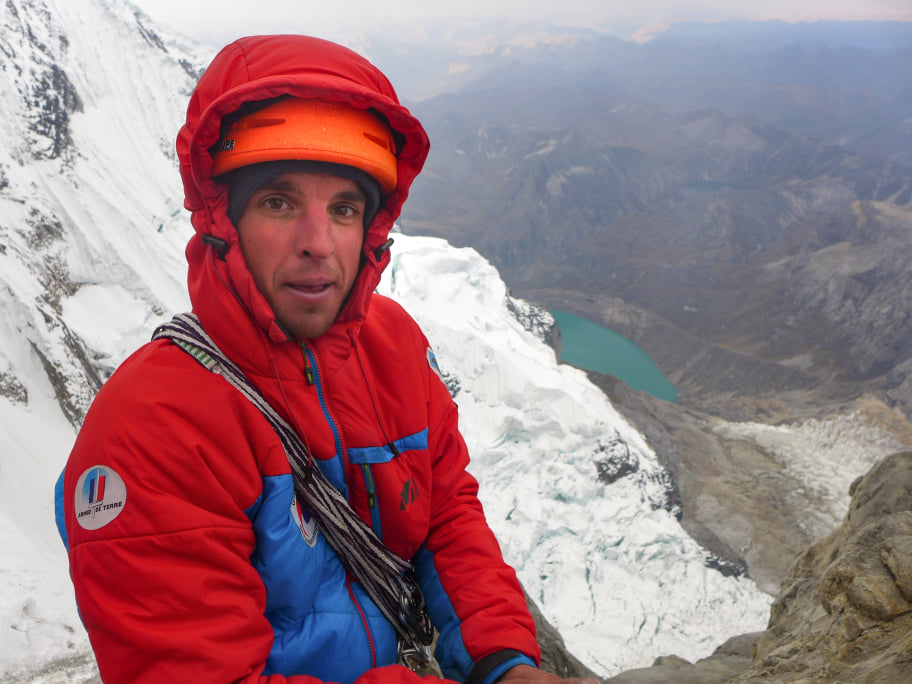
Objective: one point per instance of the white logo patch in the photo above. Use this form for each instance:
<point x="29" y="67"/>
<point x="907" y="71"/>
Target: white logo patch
<point x="432" y="362"/>
<point x="100" y="497"/>
<point x="304" y="521"/>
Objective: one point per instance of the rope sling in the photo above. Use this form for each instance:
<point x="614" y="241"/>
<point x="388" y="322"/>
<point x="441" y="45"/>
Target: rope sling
<point x="388" y="579"/>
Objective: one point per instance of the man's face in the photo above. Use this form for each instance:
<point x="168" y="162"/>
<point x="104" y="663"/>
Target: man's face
<point x="301" y="236"/>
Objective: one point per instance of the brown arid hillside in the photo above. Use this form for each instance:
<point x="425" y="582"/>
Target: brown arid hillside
<point x="778" y="248"/>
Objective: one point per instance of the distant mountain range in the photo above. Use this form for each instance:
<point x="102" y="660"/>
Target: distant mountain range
<point x="755" y="195"/>
<point x="765" y="35"/>
<point x="844" y="82"/>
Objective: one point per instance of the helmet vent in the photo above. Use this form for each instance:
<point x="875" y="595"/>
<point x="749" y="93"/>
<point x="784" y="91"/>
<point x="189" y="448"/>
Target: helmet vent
<point x="258" y="123"/>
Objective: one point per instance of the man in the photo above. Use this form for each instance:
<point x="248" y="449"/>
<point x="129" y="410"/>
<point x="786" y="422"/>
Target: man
<point x="191" y="558"/>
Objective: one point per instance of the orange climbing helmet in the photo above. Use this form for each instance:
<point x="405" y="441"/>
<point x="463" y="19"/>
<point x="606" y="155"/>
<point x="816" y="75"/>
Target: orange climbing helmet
<point x="312" y="130"/>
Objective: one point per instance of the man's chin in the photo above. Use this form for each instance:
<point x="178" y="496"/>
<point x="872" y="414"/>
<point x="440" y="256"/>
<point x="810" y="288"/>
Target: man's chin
<point x="307" y="327"/>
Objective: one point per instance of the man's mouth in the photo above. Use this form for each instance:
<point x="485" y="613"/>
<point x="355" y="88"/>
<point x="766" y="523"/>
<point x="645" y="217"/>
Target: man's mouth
<point x="310" y="286"/>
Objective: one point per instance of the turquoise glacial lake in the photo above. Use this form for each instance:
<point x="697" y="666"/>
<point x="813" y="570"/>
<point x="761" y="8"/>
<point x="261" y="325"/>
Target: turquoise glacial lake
<point x="599" y="349"/>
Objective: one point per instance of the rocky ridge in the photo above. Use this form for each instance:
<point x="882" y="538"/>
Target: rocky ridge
<point x="845" y="610"/>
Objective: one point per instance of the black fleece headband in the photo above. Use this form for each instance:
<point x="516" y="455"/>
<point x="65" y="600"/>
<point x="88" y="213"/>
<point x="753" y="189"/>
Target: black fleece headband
<point x="245" y="181"/>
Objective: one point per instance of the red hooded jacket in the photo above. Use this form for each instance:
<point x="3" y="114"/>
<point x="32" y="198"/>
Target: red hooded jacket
<point x="190" y="559"/>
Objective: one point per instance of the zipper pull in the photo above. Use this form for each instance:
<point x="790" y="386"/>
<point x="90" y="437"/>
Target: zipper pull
<point x="369" y="481"/>
<point x="308" y="369"/>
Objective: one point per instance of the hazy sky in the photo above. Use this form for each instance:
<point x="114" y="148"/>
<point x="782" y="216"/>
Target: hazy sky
<point x="218" y="22"/>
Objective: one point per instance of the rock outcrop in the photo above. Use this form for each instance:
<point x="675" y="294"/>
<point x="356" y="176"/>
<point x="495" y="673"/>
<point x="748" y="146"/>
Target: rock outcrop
<point x="845" y="610"/>
<point x="728" y="661"/>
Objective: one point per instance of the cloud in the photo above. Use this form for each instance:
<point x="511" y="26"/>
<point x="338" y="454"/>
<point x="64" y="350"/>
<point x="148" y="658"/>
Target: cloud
<point x="209" y="20"/>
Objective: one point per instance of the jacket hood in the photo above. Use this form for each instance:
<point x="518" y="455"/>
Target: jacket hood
<point x="259" y="68"/>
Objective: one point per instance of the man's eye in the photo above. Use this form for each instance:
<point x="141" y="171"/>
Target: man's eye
<point x="274" y="203"/>
<point x="346" y="210"/>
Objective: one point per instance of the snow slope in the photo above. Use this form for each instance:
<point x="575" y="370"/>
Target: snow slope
<point x="91" y="242"/>
<point x="91" y="259"/>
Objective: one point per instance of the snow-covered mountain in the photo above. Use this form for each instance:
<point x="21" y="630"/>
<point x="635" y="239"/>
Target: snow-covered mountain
<point x="91" y="260"/>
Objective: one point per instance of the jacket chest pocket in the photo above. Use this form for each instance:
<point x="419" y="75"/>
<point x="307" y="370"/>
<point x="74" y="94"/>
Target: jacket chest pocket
<point x="393" y="482"/>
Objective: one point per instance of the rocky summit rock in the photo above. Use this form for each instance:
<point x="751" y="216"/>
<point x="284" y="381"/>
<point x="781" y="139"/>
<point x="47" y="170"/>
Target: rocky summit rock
<point x="728" y="661"/>
<point x="896" y="554"/>
<point x="845" y="613"/>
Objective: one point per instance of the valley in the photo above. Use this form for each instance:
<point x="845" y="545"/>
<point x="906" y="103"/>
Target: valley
<point x="766" y="271"/>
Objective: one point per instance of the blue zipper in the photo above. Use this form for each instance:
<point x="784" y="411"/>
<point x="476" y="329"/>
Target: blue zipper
<point x="312" y="372"/>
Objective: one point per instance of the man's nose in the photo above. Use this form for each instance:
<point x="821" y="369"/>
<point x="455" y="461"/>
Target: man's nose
<point x="314" y="234"/>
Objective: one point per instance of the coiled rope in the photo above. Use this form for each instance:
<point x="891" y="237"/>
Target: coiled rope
<point x="387" y="578"/>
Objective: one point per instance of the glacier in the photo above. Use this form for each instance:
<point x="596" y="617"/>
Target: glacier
<point x="608" y="563"/>
<point x="91" y="260"/>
